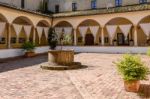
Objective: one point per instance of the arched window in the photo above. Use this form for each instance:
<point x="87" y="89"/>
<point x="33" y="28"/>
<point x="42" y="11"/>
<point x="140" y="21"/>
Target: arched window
<point x="118" y="3"/>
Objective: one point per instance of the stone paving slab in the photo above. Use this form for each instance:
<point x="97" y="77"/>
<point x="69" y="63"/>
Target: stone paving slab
<point x="24" y="79"/>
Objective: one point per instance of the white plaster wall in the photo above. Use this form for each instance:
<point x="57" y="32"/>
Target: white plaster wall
<point x="8" y="53"/>
<point x="32" y="4"/>
<point x="42" y="49"/>
<point x="100" y="49"/>
<point x="66" y="5"/>
<point x="29" y="4"/>
<point x="12" y="2"/>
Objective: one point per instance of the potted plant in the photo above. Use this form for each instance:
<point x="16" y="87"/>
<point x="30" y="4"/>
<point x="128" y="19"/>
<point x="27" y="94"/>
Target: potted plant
<point x="66" y="39"/>
<point x="132" y="70"/>
<point x="29" y="49"/>
<point x="52" y="39"/>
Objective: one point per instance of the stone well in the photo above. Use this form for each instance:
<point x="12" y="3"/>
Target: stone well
<point x="61" y="60"/>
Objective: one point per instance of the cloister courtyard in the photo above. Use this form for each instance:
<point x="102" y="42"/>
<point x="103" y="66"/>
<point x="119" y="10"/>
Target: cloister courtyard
<point x="23" y="78"/>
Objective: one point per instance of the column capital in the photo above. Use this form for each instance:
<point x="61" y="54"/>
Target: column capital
<point x="102" y="26"/>
<point x="74" y="28"/>
<point x="8" y="23"/>
<point x="33" y="26"/>
<point x="135" y="25"/>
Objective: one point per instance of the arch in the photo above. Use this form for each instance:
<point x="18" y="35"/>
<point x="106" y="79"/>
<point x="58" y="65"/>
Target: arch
<point x="143" y="38"/>
<point x="88" y="20"/>
<point x="123" y="18"/>
<point x="64" y="28"/>
<point x="41" y="38"/>
<point x="119" y="38"/>
<point x="43" y="23"/>
<point x="62" y="23"/>
<point x="23" y="20"/>
<point x="3" y="18"/>
<point x="144" y="19"/>
<point x="4" y="35"/>
<point x="21" y="36"/>
<point x="89" y="37"/>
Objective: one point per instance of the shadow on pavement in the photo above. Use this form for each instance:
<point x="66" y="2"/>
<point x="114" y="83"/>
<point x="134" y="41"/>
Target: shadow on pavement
<point x="17" y="63"/>
<point x="144" y="91"/>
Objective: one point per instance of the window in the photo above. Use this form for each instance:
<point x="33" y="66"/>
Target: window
<point x="142" y="1"/>
<point x="22" y="3"/>
<point x="93" y="4"/>
<point x="22" y="40"/>
<point x="2" y="40"/>
<point x="106" y="40"/>
<point x="45" y="5"/>
<point x="13" y="40"/>
<point x="56" y="8"/>
<point x="118" y="3"/>
<point x="74" y="6"/>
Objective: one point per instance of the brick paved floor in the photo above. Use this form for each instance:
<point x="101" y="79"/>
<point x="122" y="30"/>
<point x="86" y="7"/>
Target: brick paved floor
<point x="23" y="79"/>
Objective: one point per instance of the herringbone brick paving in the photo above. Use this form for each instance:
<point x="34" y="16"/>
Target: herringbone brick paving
<point x="24" y="79"/>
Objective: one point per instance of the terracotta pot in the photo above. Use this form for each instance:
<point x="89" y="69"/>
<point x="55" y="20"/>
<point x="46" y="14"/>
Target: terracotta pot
<point x="132" y="86"/>
<point x="29" y="54"/>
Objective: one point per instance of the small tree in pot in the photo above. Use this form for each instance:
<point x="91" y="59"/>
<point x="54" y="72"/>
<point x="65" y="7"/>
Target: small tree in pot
<point x="133" y="70"/>
<point x="29" y="49"/>
<point x="52" y="39"/>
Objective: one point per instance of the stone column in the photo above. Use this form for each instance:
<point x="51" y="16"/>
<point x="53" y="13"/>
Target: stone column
<point x="8" y="35"/>
<point x="34" y="34"/>
<point x="75" y="36"/>
<point x="135" y="36"/>
<point x="102" y="36"/>
<point x="83" y="39"/>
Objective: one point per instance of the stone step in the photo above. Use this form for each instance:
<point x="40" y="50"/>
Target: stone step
<point x="51" y="66"/>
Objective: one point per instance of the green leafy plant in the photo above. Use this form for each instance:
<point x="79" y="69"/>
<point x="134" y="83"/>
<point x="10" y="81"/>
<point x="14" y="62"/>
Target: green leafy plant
<point x="28" y="46"/>
<point x="67" y="40"/>
<point x="132" y="68"/>
<point x="148" y="52"/>
<point x="52" y="39"/>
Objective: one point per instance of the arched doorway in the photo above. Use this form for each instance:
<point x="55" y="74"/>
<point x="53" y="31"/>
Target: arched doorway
<point x="89" y="39"/>
<point x="41" y="35"/>
<point x="21" y="31"/>
<point x="119" y="32"/>
<point x="89" y="33"/>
